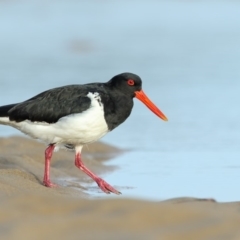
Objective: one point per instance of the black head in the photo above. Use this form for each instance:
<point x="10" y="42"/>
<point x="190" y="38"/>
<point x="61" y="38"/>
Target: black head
<point x="131" y="85"/>
<point x="128" y="83"/>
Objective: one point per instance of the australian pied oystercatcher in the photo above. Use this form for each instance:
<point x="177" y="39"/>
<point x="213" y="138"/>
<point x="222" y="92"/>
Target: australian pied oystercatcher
<point x="75" y="115"/>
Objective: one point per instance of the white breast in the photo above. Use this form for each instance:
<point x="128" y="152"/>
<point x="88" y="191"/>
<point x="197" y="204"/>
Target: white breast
<point x="76" y="129"/>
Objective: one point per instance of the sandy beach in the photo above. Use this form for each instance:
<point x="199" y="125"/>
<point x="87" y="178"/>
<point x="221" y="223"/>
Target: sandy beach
<point x="32" y="211"/>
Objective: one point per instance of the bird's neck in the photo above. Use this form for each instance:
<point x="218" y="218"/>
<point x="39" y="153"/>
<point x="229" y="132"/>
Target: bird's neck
<point x="117" y="109"/>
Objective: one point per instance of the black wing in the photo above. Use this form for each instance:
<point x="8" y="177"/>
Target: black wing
<point x="53" y="104"/>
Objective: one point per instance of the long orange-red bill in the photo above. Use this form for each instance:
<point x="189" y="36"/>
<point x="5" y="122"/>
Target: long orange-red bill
<point x="140" y="95"/>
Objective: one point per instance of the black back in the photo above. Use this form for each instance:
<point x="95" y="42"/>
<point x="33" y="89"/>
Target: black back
<point x="53" y="104"/>
<point x="49" y="106"/>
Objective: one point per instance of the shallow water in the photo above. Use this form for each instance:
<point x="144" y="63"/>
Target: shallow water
<point x="188" y="56"/>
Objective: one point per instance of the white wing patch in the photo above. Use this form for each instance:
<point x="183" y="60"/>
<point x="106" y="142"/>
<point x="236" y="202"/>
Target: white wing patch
<point x="95" y="96"/>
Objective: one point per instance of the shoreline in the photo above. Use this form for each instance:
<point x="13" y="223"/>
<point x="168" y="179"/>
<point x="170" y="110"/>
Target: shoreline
<point x="31" y="211"/>
<point x="22" y="162"/>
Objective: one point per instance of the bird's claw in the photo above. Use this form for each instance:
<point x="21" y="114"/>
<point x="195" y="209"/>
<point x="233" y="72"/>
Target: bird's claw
<point x="48" y="183"/>
<point x="107" y="188"/>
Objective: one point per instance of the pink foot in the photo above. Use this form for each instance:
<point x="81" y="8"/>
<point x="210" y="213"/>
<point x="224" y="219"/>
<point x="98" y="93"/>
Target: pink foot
<point x="106" y="187"/>
<point x="48" y="183"/>
<point x="100" y="182"/>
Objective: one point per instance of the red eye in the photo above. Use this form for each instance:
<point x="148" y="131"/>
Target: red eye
<point x="130" y="82"/>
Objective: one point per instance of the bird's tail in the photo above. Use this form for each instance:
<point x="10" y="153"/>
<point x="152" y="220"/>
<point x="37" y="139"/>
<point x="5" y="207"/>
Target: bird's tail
<point x="4" y="115"/>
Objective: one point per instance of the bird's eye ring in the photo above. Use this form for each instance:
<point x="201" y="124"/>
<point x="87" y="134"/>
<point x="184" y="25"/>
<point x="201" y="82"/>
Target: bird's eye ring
<point x="130" y="82"/>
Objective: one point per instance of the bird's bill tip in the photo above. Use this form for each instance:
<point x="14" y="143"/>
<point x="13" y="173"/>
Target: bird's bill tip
<point x="140" y="95"/>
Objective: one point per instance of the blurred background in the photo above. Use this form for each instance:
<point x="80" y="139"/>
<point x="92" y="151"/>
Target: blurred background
<point x="188" y="56"/>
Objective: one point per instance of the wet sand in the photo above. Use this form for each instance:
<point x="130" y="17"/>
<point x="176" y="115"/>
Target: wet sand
<point x="31" y="211"/>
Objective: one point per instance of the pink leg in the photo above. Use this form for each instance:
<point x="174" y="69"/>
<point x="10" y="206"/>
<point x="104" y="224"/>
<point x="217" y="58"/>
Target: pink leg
<point x="48" y="156"/>
<point x="101" y="183"/>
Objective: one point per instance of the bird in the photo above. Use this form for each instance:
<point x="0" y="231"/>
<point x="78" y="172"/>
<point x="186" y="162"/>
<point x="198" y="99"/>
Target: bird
<point x="73" y="116"/>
